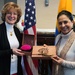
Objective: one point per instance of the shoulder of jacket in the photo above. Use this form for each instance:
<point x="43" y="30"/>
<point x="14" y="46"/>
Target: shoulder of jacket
<point x="1" y="26"/>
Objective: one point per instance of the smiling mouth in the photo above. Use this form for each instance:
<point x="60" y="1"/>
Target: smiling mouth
<point x="11" y="19"/>
<point x="65" y="28"/>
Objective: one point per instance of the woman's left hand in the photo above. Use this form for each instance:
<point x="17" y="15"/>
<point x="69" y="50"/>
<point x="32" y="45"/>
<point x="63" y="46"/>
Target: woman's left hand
<point x="57" y="59"/>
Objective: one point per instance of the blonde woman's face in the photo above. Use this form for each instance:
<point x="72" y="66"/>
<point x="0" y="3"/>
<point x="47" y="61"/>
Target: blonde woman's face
<point x="65" y="24"/>
<point x="11" y="16"/>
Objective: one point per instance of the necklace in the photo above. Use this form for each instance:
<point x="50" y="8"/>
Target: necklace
<point x="11" y="33"/>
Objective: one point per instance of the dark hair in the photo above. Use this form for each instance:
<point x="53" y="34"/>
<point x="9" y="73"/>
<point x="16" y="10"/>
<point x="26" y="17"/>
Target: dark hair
<point x="67" y="13"/>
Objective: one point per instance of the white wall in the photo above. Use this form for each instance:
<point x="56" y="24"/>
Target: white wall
<point x="45" y="16"/>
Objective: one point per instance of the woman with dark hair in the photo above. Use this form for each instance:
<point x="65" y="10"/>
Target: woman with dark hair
<point x="10" y="40"/>
<point x="64" y="60"/>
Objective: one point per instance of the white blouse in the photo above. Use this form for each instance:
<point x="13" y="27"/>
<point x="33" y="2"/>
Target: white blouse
<point x="13" y="44"/>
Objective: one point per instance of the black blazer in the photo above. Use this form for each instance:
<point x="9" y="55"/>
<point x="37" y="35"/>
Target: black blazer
<point x="5" y="51"/>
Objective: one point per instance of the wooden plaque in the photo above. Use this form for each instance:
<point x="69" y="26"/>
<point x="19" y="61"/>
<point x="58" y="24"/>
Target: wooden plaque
<point x="28" y="39"/>
<point x="37" y="54"/>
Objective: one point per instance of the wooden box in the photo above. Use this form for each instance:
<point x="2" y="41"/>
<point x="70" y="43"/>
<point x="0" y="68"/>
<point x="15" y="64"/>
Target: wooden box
<point x="38" y="55"/>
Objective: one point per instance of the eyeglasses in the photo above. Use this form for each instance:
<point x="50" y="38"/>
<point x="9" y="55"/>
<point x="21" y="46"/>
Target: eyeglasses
<point x="65" y="22"/>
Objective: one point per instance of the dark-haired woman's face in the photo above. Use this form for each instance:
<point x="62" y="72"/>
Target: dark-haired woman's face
<point x="65" y="24"/>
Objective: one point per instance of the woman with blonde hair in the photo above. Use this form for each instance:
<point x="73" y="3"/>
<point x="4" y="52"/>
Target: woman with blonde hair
<point x="10" y="40"/>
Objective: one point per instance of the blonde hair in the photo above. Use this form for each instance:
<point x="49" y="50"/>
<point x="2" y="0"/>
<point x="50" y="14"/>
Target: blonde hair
<point x="7" y="7"/>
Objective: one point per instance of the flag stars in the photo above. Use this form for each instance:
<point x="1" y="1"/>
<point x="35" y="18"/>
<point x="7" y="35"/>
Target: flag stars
<point x="28" y="9"/>
<point x="26" y="15"/>
<point x="26" y="1"/>
<point x="31" y="17"/>
<point x="32" y="12"/>
<point x="29" y="23"/>
<point x="35" y="20"/>
<point x="30" y="4"/>
<point x="34" y="7"/>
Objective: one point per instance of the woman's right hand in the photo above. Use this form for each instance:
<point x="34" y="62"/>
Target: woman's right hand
<point x="18" y="52"/>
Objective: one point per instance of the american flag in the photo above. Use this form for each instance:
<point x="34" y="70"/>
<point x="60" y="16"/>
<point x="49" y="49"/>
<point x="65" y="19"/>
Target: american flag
<point x="30" y="19"/>
<point x="30" y="66"/>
